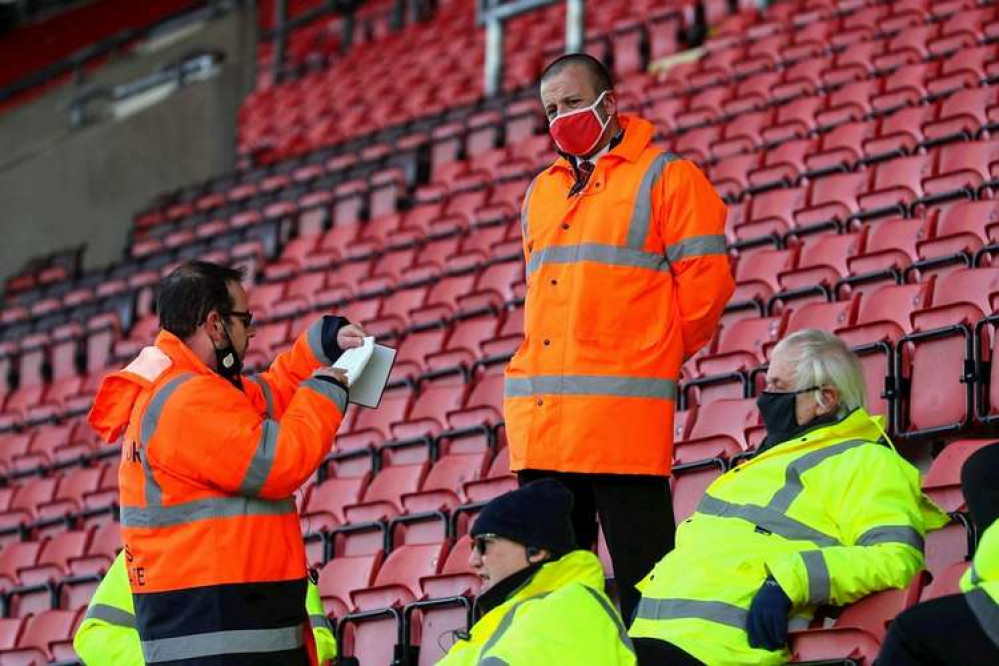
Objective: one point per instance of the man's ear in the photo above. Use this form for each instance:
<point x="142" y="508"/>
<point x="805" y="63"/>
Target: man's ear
<point x="213" y="326"/>
<point x="536" y="555"/>
<point x="830" y="400"/>
<point x="610" y="104"/>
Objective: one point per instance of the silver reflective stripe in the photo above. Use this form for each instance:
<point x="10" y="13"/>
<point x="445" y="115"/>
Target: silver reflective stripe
<point x="111" y="615"/>
<point x="320" y="622"/>
<point x="696" y="246"/>
<point x="641" y="215"/>
<point x="328" y="390"/>
<point x="819" y="584"/>
<point x="315" y="338"/>
<point x="692" y="609"/>
<point x="892" y="534"/>
<point x="493" y="661"/>
<point x="986" y="610"/>
<point x="150" y="422"/>
<point x="263" y="460"/>
<point x="265" y="388"/>
<point x="222" y="643"/>
<point x="599" y="253"/>
<point x="622" y="632"/>
<point x="525" y="208"/>
<point x="793" y="487"/>
<point x="502" y="628"/>
<point x="624" y="387"/>
<point x="766" y="518"/>
<point x="203" y="509"/>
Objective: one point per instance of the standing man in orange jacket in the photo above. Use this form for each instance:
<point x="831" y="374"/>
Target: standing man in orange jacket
<point x="627" y="276"/>
<point x="210" y="461"/>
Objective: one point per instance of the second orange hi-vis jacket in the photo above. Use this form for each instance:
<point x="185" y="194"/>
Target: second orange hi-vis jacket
<point x="213" y="545"/>
<point x="625" y="280"/>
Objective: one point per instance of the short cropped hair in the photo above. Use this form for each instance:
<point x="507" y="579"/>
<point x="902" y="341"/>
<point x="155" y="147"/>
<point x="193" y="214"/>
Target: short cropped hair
<point x="190" y="292"/>
<point x="822" y="359"/>
<point x="599" y="75"/>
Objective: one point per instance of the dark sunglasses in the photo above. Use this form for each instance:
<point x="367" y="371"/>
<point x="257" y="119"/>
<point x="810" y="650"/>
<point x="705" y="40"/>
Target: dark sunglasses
<point x="482" y="541"/>
<point x="245" y="317"/>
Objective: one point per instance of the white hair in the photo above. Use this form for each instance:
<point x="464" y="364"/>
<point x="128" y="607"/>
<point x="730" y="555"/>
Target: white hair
<point x="822" y="359"/>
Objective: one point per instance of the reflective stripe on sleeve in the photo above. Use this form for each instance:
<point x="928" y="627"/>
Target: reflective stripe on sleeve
<point x="595" y="385"/>
<point x="692" y="609"/>
<point x="265" y="388"/>
<point x="904" y="534"/>
<point x="696" y="246"/>
<point x="819" y="584"/>
<point x="263" y="460"/>
<point x="320" y="622"/>
<point x="111" y="615"/>
<point x="314" y="336"/>
<point x="218" y="643"/>
<point x="328" y="390"/>
<point x="525" y="208"/>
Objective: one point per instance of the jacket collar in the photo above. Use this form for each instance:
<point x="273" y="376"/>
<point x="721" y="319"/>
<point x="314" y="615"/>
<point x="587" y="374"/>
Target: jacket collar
<point x="637" y="137"/>
<point x="112" y="408"/>
<point x="858" y="424"/>
<point x="182" y="356"/>
<point x="580" y="566"/>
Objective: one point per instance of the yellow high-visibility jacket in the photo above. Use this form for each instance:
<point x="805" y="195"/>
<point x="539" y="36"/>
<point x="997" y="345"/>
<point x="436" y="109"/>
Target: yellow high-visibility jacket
<point x="980" y="583"/>
<point x="832" y="515"/>
<point x="108" y="637"/>
<point x="560" y="617"/>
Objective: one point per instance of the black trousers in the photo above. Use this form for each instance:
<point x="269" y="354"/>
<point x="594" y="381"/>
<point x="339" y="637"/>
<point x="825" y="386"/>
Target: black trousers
<point x="651" y="652"/>
<point x="939" y="632"/>
<point x="636" y="513"/>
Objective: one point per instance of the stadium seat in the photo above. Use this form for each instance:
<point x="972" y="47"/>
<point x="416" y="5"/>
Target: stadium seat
<point x="858" y="631"/>
<point x="946" y="582"/>
<point x="688" y="484"/>
<point x="341" y="575"/>
<point x="37" y="643"/>
<point x="942" y="483"/>
<point x="941" y="396"/>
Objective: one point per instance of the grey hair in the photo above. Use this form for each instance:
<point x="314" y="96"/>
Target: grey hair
<point x="822" y="359"/>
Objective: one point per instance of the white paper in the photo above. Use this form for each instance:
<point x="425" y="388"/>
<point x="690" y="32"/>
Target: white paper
<point x="355" y="360"/>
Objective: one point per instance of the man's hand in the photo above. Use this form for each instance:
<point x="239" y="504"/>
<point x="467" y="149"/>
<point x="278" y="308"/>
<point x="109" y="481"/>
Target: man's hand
<point x="351" y="335"/>
<point x="334" y="373"/>
<point x="766" y="622"/>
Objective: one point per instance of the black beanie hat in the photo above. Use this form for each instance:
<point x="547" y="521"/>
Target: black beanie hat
<point x="536" y="514"/>
<point x="980" y="481"/>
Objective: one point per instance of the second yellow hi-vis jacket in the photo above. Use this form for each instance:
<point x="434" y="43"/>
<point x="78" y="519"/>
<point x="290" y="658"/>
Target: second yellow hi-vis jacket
<point x="980" y="583"/>
<point x="833" y="515"/>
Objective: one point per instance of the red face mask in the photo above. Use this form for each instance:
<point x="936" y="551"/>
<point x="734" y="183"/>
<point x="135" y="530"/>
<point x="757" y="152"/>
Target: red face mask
<point x="578" y="132"/>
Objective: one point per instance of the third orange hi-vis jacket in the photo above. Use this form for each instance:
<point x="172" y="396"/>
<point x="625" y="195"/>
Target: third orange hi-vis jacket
<point x="624" y="281"/>
<point x="212" y="540"/>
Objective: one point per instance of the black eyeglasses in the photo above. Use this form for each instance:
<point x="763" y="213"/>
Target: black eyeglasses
<point x="245" y="317"/>
<point x="482" y="541"/>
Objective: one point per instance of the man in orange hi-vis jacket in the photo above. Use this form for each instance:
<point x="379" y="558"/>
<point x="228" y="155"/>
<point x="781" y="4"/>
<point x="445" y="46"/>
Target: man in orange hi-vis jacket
<point x="210" y="462"/>
<point x="627" y="276"/>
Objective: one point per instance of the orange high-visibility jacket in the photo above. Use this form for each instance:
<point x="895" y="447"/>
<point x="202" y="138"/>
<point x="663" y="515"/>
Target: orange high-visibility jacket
<point x="624" y="281"/>
<point x="212" y="539"/>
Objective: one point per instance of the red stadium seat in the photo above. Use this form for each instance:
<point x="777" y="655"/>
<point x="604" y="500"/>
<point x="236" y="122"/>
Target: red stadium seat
<point x="341" y="575"/>
<point x="327" y="500"/>
<point x="382" y="497"/>
<point x="858" y="631"/>
<point x="946" y="582"/>
<point x="688" y="485"/>
<point x="942" y="482"/>
<point x="40" y="633"/>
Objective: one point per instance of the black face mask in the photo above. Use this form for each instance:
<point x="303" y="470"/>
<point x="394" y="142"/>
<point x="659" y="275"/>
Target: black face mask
<point x="229" y="364"/>
<point x="778" y="412"/>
